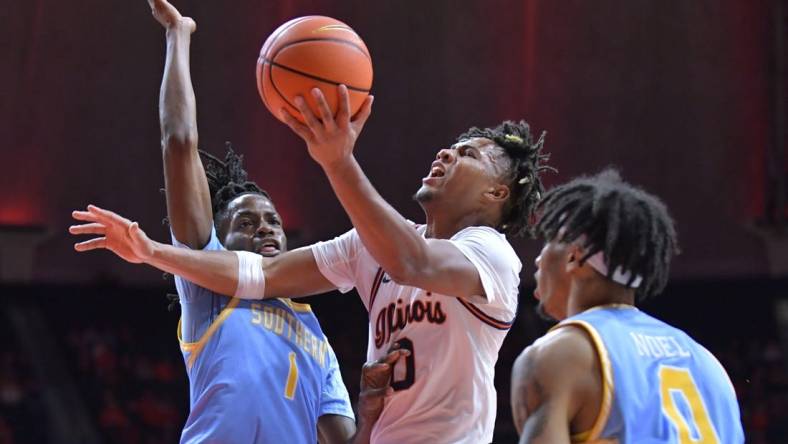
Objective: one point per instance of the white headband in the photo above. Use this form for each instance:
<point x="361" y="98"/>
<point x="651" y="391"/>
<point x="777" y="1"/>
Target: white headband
<point x="597" y="262"/>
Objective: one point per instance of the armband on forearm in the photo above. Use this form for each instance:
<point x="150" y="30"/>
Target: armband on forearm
<point x="251" y="279"/>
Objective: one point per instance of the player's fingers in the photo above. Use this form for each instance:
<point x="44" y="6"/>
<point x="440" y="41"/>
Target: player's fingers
<point x="106" y="215"/>
<point x="83" y="216"/>
<point x="307" y="114"/>
<point x="394" y="355"/>
<point x="94" y="228"/>
<point x="91" y="244"/>
<point x="363" y="113"/>
<point x="375" y="392"/>
<point x="343" y="105"/>
<point x="325" y="112"/>
<point x="299" y="128"/>
<point x="376" y="367"/>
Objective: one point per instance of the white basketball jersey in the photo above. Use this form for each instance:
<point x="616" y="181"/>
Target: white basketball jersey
<point x="444" y="391"/>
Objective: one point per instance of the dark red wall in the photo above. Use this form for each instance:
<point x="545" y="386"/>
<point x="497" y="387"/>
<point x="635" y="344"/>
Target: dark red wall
<point x="675" y="93"/>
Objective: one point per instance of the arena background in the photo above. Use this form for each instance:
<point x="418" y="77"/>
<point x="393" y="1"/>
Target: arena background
<point x="686" y="97"/>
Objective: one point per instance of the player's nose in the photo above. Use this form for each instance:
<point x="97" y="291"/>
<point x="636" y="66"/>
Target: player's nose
<point x="445" y="155"/>
<point x="264" y="229"/>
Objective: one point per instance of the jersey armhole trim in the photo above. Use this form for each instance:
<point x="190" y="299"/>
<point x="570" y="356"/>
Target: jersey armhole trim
<point x="593" y="433"/>
<point x="296" y="306"/>
<point x="194" y="348"/>
<point x="484" y="317"/>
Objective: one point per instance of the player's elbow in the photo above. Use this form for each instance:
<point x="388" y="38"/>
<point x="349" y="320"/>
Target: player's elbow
<point x="178" y="139"/>
<point x="405" y="273"/>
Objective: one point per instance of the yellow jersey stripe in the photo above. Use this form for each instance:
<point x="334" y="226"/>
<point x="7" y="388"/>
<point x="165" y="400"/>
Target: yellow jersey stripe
<point x="194" y="348"/>
<point x="607" y="382"/>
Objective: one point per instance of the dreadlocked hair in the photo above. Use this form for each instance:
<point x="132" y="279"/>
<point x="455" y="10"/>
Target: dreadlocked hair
<point x="630" y="226"/>
<point x="227" y="180"/>
<point x="523" y="177"/>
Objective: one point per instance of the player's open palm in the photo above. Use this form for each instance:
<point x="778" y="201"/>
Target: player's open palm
<point x="115" y="233"/>
<point x="169" y="17"/>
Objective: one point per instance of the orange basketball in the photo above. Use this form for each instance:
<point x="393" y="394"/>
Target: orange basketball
<point x="308" y="52"/>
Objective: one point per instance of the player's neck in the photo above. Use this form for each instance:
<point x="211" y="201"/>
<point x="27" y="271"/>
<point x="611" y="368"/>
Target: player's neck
<point x="445" y="224"/>
<point x="589" y="293"/>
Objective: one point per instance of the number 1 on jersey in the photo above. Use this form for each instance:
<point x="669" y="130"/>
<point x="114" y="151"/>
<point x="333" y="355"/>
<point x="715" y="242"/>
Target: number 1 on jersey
<point x="292" y="377"/>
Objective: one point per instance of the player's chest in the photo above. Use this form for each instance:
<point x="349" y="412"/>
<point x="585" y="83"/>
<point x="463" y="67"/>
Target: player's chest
<point x="396" y="308"/>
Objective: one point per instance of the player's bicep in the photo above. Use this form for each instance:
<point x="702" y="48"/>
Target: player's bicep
<point x="448" y="271"/>
<point x="335" y="429"/>
<point x="294" y="274"/>
<point x="537" y="401"/>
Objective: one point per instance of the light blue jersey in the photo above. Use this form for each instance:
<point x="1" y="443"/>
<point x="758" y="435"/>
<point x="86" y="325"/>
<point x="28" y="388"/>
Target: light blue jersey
<point x="660" y="386"/>
<point x="259" y="371"/>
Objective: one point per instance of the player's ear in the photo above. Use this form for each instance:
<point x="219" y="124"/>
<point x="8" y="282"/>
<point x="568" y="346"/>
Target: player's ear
<point x="573" y="254"/>
<point x="497" y="192"/>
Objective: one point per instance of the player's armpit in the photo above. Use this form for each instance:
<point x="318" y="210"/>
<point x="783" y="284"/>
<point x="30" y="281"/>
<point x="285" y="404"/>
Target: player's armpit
<point x="554" y="388"/>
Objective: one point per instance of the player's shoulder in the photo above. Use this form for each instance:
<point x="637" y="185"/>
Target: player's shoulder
<point x="212" y="244"/>
<point x="487" y="239"/>
<point x="561" y="363"/>
<point x="480" y="232"/>
<point x="559" y="353"/>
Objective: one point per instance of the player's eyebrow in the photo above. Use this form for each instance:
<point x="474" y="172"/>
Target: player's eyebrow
<point x="247" y="213"/>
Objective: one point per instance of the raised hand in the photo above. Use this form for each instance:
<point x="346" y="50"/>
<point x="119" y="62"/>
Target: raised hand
<point x="115" y="233"/>
<point x="169" y="17"/>
<point x="329" y="139"/>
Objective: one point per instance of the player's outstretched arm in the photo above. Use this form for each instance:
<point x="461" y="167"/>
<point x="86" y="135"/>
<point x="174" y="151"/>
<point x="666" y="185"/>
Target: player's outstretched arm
<point x="409" y="259"/>
<point x="186" y="188"/>
<point x="553" y="382"/>
<point x="214" y="270"/>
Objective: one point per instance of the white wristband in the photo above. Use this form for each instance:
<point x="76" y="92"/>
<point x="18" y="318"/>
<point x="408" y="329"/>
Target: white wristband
<point x="251" y="279"/>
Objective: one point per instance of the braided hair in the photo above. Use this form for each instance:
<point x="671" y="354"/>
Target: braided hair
<point x="227" y="180"/>
<point x="523" y="176"/>
<point x="630" y="226"/>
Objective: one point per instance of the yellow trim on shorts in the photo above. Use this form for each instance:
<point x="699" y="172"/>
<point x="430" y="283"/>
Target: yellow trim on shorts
<point x="194" y="348"/>
<point x="302" y="308"/>
<point x="593" y="433"/>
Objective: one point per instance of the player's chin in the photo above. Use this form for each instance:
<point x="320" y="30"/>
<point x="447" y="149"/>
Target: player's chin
<point x="544" y="313"/>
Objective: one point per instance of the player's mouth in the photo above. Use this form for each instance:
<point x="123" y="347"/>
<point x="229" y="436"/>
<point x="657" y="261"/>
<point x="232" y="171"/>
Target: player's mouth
<point x="269" y="247"/>
<point x="436" y="174"/>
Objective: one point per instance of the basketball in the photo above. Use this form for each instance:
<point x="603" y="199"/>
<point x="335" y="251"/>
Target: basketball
<point x="309" y="52"/>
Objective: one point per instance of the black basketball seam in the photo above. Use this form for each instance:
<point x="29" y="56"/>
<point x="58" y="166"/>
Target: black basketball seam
<point x="314" y="77"/>
<point x="323" y="39"/>
<point x="279" y="34"/>
<point x="261" y="87"/>
<point x="276" y="88"/>
<point x="272" y="59"/>
<point x="263" y="54"/>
